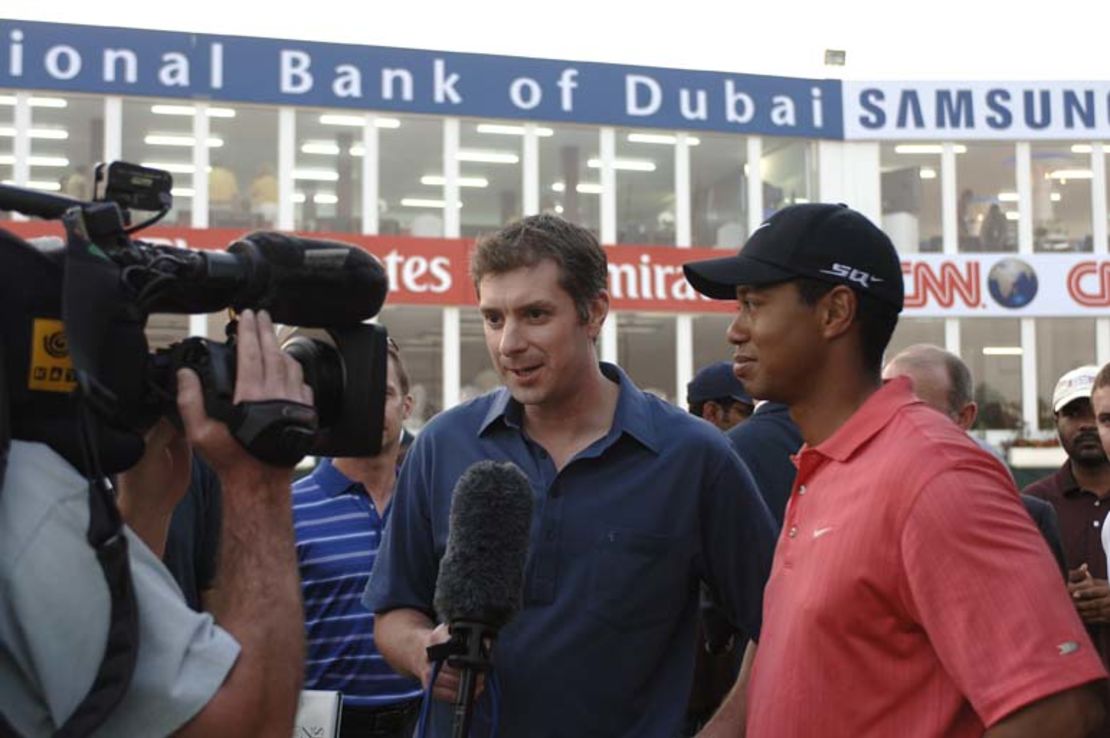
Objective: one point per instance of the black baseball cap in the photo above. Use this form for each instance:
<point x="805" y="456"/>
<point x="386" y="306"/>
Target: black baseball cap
<point x="832" y="243"/>
<point x="717" y="382"/>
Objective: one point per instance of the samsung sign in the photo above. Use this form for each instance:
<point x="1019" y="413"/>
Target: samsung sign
<point x="977" y="110"/>
<point x="118" y="61"/>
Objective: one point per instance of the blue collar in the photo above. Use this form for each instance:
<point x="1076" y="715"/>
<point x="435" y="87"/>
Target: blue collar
<point x="330" y="480"/>
<point x="633" y="415"/>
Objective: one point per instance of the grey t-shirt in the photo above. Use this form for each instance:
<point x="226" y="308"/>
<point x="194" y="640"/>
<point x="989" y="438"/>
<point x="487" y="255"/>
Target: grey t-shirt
<point x="54" y="612"/>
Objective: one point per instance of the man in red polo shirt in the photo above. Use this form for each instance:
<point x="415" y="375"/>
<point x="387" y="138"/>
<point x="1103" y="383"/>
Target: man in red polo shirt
<point x="911" y="594"/>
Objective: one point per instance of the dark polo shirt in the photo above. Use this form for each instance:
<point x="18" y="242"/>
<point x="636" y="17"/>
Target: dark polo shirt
<point x="1081" y="515"/>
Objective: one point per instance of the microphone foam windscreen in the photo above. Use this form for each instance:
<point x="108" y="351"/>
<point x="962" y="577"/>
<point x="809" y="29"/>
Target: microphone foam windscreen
<point x="481" y="576"/>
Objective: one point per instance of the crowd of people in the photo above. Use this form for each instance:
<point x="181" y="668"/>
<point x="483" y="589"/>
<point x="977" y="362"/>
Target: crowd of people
<point x="816" y="546"/>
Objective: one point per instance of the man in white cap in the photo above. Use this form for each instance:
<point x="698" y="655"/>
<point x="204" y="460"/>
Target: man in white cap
<point x="1080" y="492"/>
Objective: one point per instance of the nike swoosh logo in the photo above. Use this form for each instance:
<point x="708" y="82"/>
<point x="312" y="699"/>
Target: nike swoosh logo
<point x="820" y="532"/>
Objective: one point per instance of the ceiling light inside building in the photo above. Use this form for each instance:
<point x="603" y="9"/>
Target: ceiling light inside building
<point x="488" y="157"/>
<point x="50" y="134"/>
<point x="1065" y="174"/>
<point x="436" y="180"/>
<point x="505" y="130"/>
<point x="46" y="186"/>
<point x="316" y="175"/>
<point x="661" y="138"/>
<point x="357" y="121"/>
<point x="936" y="149"/>
<point x="170" y="139"/>
<point x="583" y="188"/>
<point x="172" y="166"/>
<point x="927" y="173"/>
<point x="190" y="111"/>
<point x="627" y="165"/>
<point x="37" y="102"/>
<point x="421" y="202"/>
<point x="1002" y="351"/>
<point x="37" y="161"/>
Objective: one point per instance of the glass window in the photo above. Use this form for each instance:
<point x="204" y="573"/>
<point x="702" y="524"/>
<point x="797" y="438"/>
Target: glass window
<point x="1062" y="197"/>
<point x="710" y="344"/>
<point x="478" y="374"/>
<point x="910" y="190"/>
<point x="719" y="190"/>
<point x="418" y="332"/>
<point x="1062" y="345"/>
<point x="160" y="135"/>
<point x="987" y="204"/>
<point x="645" y="187"/>
<point x="410" y="149"/>
<point x="67" y="140"/>
<point x="910" y="331"/>
<point x="789" y="174"/>
<point x="1106" y="148"/>
<point x="7" y="142"/>
<point x="646" y="351"/>
<point x="568" y="186"/>
<point x="327" y="176"/>
<point x="491" y="174"/>
<point x="242" y="154"/>
<point x="162" y="329"/>
<point x="991" y="348"/>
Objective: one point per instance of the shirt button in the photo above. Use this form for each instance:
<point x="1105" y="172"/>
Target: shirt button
<point x="793" y="531"/>
<point x="1098" y="502"/>
<point x="802" y="490"/>
<point x="1095" y="523"/>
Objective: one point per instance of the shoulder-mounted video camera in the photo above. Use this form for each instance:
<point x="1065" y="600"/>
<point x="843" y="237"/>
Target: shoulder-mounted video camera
<point x="72" y="319"/>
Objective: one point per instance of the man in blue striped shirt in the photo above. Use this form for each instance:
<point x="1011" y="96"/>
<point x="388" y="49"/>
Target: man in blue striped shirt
<point x="339" y="513"/>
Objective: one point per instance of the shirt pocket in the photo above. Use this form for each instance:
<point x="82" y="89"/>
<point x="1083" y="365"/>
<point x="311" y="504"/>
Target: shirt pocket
<point x="636" y="579"/>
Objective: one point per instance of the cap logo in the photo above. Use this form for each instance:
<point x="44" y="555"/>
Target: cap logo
<point x="864" y="279"/>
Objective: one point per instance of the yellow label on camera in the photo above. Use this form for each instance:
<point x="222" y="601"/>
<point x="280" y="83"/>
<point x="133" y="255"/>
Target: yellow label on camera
<point x="51" y="367"/>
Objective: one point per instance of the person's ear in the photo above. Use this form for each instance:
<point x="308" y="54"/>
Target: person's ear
<point x="838" y="310"/>
<point x="966" y="417"/>
<point x="598" y="311"/>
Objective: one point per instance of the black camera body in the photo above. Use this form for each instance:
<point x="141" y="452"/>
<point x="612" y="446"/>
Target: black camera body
<point x="103" y="285"/>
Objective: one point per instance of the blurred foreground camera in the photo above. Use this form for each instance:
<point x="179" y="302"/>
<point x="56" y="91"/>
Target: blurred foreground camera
<point x="102" y="285"/>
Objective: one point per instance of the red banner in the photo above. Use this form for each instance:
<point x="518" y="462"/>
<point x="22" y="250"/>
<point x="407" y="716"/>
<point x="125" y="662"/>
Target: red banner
<point x="434" y="271"/>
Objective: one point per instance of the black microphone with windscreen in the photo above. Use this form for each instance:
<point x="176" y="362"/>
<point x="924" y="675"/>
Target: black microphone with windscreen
<point x="481" y="576"/>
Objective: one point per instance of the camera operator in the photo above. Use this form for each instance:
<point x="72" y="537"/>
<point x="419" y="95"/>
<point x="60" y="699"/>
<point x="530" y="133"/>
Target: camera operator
<point x="237" y="676"/>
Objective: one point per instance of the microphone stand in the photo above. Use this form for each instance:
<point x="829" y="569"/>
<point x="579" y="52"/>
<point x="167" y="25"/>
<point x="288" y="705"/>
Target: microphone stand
<point x="469" y="651"/>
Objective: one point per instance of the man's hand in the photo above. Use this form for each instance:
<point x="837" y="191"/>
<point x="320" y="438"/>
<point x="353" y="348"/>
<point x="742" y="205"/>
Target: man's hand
<point x="1091" y="596"/>
<point x="449" y="679"/>
<point x="263" y="372"/>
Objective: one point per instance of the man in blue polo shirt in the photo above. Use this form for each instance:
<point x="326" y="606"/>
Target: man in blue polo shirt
<point x="636" y="501"/>
<point x="339" y="512"/>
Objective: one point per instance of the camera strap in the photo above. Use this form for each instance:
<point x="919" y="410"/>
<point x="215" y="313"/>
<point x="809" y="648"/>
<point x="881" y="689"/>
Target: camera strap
<point x="106" y="536"/>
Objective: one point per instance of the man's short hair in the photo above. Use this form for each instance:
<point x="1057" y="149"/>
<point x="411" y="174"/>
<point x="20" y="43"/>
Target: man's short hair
<point x="876" y="319"/>
<point x="583" y="267"/>
<point x="394" y="352"/>
<point x="1102" y="379"/>
<point x="926" y="355"/>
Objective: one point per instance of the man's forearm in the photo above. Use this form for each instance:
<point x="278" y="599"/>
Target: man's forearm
<point x="257" y="596"/>
<point x="1073" y="713"/>
<point x="732" y="715"/>
<point x="401" y="637"/>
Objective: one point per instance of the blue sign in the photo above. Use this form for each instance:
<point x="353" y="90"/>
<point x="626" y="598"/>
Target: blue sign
<point x="121" y="61"/>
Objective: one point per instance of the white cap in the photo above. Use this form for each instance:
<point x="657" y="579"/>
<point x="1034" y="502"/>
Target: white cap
<point x="1074" y="385"/>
